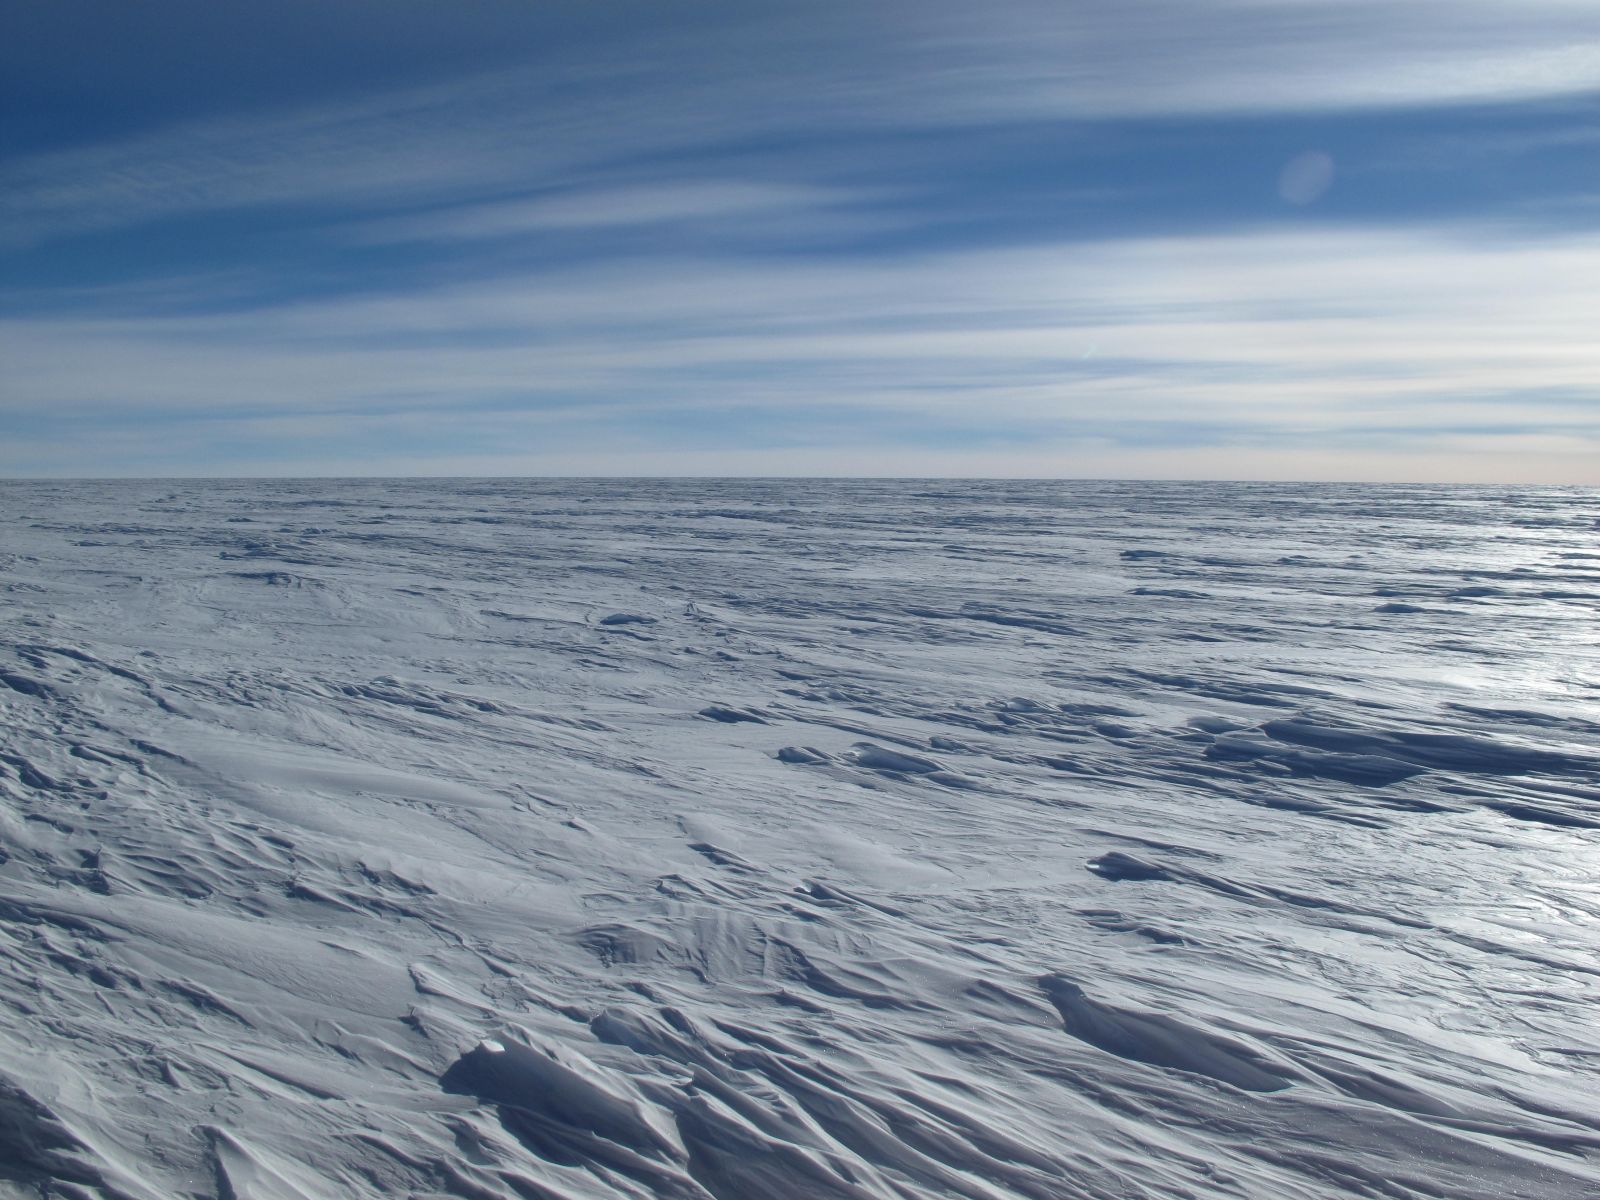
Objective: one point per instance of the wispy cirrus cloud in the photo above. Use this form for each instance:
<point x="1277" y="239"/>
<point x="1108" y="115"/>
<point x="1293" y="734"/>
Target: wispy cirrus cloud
<point x="1210" y="341"/>
<point x="1106" y="233"/>
<point x="732" y="206"/>
<point x="635" y="102"/>
<point x="1250" y="56"/>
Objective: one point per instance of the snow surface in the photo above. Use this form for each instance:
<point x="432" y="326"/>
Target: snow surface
<point x="798" y="839"/>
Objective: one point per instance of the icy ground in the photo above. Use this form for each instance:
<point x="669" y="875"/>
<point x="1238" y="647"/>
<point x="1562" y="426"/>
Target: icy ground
<point x="811" y="840"/>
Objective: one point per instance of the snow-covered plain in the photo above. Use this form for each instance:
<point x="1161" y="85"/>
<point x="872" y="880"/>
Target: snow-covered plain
<point x="798" y="839"/>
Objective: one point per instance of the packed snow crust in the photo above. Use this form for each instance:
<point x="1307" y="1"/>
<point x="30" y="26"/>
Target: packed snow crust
<point x="811" y="840"/>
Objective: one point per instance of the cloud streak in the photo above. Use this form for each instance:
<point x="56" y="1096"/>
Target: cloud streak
<point x="1287" y="339"/>
<point x="563" y="120"/>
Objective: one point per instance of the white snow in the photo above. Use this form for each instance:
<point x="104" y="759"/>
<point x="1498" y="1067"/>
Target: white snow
<point x="798" y="839"/>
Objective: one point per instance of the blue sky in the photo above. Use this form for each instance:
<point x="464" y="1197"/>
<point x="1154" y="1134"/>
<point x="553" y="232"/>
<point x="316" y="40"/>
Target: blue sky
<point x="1155" y="238"/>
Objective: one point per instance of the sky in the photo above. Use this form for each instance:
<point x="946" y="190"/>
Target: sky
<point x="1213" y="239"/>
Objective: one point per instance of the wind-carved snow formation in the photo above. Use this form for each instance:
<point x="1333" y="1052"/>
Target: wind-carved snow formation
<point x="798" y="840"/>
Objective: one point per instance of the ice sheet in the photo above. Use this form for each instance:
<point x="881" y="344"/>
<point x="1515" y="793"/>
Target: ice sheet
<point x="755" y="839"/>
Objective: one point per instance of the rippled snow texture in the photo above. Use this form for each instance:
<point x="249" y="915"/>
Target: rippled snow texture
<point x="798" y="839"/>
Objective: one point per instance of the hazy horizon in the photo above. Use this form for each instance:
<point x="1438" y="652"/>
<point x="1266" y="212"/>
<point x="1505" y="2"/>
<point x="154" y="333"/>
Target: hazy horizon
<point x="1220" y="481"/>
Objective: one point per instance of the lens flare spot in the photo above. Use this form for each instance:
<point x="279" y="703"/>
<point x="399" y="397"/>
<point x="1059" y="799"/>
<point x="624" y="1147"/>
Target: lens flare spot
<point x="1305" y="177"/>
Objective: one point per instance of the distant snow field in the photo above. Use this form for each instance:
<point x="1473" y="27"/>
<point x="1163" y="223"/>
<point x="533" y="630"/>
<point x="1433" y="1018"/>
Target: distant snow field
<point x="810" y="840"/>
